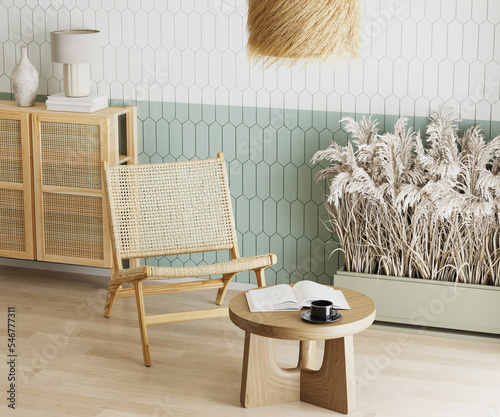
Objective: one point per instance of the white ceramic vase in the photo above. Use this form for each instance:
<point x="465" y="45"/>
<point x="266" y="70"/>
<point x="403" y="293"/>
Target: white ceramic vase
<point x="24" y="80"/>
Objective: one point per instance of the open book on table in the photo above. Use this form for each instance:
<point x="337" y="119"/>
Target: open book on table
<point x="283" y="297"/>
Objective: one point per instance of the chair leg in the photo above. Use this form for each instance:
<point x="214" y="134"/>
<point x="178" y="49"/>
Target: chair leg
<point x="222" y="291"/>
<point x="261" y="280"/>
<point x="142" y="322"/>
<point x="110" y="298"/>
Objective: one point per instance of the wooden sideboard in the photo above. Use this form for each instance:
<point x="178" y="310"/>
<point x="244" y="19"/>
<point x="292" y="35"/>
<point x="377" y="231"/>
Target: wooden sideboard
<point x="52" y="202"/>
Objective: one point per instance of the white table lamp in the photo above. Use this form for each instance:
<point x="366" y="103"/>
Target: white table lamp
<point x="76" y="49"/>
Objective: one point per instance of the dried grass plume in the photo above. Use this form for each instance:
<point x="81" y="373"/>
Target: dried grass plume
<point x="400" y="208"/>
<point x="296" y="29"/>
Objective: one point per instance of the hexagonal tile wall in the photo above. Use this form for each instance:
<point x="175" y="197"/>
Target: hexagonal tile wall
<point x="184" y="65"/>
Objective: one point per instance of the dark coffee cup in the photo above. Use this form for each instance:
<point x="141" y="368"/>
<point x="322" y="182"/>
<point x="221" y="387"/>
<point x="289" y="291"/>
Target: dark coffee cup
<point x="322" y="310"/>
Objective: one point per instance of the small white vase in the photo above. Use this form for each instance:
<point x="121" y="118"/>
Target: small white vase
<point x="24" y="80"/>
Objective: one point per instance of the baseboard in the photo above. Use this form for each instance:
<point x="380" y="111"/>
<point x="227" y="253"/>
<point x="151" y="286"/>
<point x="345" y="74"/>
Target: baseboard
<point x="53" y="266"/>
<point x="431" y="331"/>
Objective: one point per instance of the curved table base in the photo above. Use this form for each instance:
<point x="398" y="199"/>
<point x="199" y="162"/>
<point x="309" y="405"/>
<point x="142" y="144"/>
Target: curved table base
<point x="264" y="382"/>
<point x="333" y="386"/>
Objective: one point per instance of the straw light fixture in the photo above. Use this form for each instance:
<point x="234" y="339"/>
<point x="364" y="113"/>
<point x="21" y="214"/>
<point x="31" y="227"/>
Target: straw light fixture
<point x="289" y="30"/>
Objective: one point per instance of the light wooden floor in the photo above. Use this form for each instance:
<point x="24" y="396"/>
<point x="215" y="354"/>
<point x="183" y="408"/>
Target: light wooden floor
<point x="74" y="362"/>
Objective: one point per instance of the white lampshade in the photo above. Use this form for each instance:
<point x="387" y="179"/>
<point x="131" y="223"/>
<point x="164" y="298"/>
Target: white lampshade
<point x="76" y="49"/>
<point x="75" y="46"/>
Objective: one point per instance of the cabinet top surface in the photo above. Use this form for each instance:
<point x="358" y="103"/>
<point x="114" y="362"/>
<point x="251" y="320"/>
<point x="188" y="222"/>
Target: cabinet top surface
<point x="10" y="105"/>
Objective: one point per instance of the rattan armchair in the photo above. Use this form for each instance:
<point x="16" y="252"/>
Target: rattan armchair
<point x="171" y="209"/>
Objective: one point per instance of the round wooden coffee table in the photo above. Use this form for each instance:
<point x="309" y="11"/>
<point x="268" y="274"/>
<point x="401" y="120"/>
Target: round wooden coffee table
<point x="264" y="382"/>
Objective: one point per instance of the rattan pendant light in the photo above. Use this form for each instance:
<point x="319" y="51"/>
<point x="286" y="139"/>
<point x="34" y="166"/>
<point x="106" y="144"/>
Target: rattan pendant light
<point x="290" y="30"/>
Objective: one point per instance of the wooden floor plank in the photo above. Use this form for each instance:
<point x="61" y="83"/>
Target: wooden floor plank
<point x="74" y="362"/>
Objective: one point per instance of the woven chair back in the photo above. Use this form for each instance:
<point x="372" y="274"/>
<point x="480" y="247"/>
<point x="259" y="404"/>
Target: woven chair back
<point x="170" y="208"/>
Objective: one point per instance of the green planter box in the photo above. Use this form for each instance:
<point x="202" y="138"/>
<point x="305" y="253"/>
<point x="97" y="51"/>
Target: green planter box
<point x="427" y="303"/>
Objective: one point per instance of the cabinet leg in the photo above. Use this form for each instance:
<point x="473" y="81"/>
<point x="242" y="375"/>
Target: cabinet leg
<point x="333" y="386"/>
<point x="263" y="381"/>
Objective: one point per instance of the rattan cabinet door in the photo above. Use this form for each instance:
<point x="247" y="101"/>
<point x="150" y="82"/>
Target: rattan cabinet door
<point x="16" y="200"/>
<point x="70" y="215"/>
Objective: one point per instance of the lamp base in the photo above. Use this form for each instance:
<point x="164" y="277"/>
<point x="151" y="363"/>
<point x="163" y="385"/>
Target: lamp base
<point x="76" y="80"/>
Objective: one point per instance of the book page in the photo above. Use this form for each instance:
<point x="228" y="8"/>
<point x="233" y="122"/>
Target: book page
<point x="307" y="291"/>
<point x="276" y="298"/>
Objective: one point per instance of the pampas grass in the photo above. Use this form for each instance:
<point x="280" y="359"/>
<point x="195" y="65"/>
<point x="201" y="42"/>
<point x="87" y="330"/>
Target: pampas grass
<point x="401" y="209"/>
<point x="296" y="29"/>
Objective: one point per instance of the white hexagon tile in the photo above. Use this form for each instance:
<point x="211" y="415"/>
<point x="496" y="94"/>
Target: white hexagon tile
<point x="184" y="64"/>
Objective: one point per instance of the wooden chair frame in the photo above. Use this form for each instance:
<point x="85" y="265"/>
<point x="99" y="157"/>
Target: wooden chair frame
<point x="135" y="275"/>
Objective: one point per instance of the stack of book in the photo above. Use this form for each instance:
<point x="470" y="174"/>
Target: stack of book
<point x="89" y="104"/>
